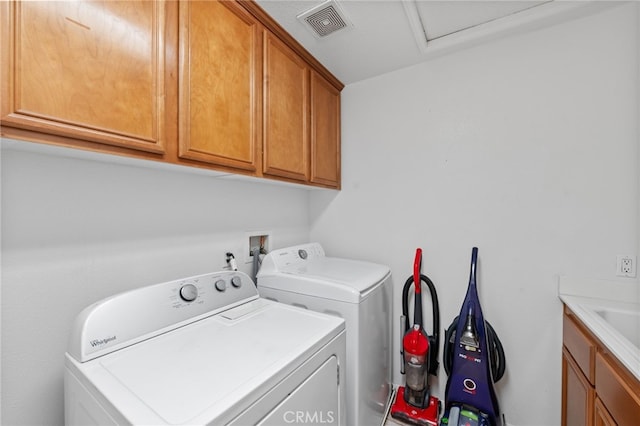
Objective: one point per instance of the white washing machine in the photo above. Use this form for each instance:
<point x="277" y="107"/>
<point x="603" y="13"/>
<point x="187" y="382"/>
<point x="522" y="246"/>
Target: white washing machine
<point x="204" y="350"/>
<point x="359" y="292"/>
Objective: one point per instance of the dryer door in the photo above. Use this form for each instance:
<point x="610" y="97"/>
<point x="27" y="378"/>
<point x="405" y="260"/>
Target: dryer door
<point x="315" y="402"/>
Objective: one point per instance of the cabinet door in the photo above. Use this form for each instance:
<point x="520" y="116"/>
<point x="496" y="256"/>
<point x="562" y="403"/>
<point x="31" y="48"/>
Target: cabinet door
<point x="577" y="394"/>
<point x="580" y="345"/>
<point x="286" y="136"/>
<point x="618" y="389"/>
<point x="602" y="416"/>
<point x="91" y="70"/>
<point x="325" y="132"/>
<point x="220" y="84"/>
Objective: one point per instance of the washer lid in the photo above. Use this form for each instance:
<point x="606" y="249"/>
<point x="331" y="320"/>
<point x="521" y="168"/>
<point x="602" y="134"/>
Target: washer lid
<point x="213" y="369"/>
<point x="327" y="277"/>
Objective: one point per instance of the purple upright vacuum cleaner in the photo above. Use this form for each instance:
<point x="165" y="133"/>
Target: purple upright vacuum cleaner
<point x="474" y="360"/>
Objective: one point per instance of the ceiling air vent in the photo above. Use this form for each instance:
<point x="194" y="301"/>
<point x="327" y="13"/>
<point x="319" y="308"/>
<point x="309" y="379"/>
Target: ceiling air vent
<point x="325" y="19"/>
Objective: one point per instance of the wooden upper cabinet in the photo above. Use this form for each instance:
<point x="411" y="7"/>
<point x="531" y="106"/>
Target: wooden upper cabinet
<point x="220" y="84"/>
<point x="286" y="118"/>
<point x="212" y="84"/>
<point x="325" y="132"/>
<point x="90" y="70"/>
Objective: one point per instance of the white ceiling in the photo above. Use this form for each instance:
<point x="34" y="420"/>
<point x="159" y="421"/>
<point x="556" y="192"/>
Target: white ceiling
<point x="387" y="35"/>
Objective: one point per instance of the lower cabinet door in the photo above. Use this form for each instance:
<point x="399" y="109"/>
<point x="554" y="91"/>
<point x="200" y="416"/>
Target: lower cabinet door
<point x="578" y="395"/>
<point x="602" y="416"/>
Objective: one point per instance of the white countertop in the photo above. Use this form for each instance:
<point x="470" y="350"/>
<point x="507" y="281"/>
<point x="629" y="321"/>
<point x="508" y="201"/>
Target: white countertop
<point x="585" y="297"/>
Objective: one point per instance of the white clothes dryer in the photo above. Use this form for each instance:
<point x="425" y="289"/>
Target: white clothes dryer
<point x="204" y="350"/>
<point x="359" y="292"/>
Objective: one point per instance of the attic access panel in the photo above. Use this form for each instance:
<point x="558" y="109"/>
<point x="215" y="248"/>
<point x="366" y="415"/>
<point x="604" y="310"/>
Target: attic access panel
<point x="441" y="18"/>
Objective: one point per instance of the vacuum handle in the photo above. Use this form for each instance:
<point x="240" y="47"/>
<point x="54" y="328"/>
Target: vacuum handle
<point x="474" y="262"/>
<point x="417" y="283"/>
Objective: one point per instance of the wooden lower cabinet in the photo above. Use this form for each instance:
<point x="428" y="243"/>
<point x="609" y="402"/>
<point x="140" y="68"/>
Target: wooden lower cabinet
<point x="578" y="395"/>
<point x="596" y="388"/>
<point x="602" y="416"/>
<point x="618" y="390"/>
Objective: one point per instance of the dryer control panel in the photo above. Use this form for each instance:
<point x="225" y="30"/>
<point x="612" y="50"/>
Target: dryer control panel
<point x="127" y="318"/>
<point x="290" y="258"/>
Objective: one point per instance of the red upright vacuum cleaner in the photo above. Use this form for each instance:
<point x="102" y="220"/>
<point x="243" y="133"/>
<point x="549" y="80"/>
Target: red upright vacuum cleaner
<point x="414" y="403"/>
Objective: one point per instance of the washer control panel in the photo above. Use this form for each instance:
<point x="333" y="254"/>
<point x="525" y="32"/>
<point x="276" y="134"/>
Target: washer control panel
<point x="129" y="317"/>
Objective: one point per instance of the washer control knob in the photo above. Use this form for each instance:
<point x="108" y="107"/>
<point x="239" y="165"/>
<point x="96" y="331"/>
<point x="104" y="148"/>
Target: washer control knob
<point x="236" y="281"/>
<point x="188" y="292"/>
<point x="221" y="285"/>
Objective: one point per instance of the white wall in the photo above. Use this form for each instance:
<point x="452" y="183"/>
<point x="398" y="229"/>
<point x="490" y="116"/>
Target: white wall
<point x="75" y="231"/>
<point x="526" y="147"/>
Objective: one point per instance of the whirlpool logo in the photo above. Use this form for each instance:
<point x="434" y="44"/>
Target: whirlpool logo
<point x="99" y="342"/>
<point x="309" y="417"/>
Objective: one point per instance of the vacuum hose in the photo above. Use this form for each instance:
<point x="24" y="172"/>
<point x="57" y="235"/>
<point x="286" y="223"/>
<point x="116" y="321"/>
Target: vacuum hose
<point x="433" y="339"/>
<point x="496" y="351"/>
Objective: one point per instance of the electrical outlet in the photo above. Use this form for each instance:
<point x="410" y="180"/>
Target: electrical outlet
<point x="625" y="266"/>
